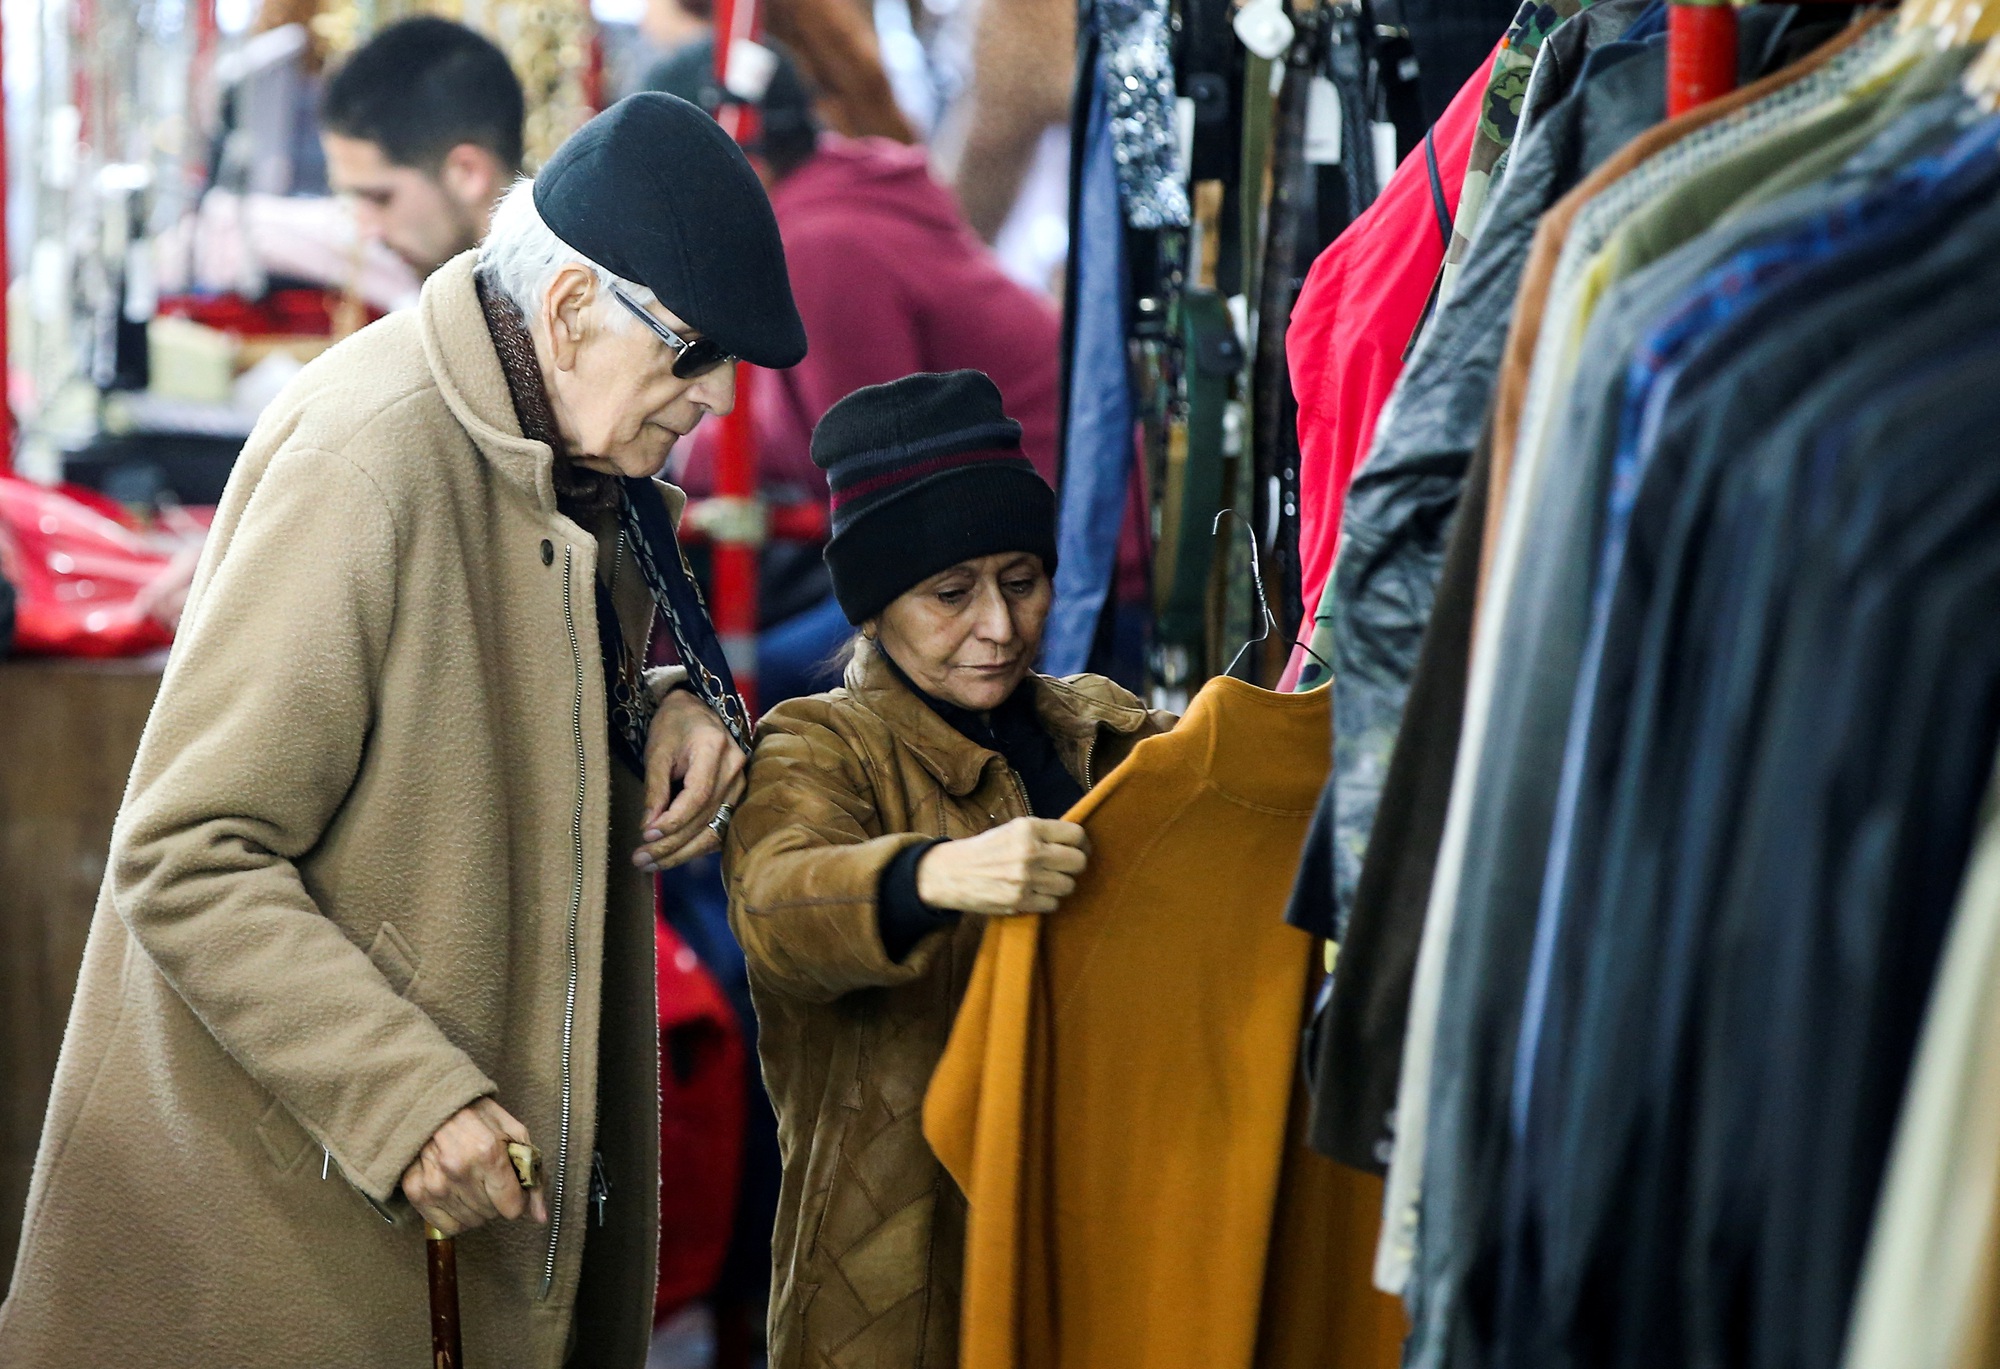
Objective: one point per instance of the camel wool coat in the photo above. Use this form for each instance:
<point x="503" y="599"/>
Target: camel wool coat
<point x="370" y="867"/>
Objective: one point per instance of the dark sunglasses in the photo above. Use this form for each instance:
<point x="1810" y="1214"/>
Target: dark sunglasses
<point x="692" y="360"/>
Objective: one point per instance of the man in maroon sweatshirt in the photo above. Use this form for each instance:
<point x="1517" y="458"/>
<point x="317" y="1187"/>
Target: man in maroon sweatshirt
<point x="889" y="280"/>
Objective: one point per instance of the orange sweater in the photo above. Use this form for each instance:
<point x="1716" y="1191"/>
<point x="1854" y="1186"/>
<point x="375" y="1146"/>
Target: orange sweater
<point x="1116" y="1097"/>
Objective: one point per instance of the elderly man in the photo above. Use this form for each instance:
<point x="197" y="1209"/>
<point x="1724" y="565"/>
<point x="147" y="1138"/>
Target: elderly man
<point x="373" y="906"/>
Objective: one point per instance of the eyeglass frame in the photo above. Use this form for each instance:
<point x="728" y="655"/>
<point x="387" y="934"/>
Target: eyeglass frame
<point x="681" y="346"/>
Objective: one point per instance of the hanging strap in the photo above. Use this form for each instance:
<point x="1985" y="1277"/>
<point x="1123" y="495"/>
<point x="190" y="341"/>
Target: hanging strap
<point x="1438" y="205"/>
<point x="658" y="552"/>
<point x="1442" y="211"/>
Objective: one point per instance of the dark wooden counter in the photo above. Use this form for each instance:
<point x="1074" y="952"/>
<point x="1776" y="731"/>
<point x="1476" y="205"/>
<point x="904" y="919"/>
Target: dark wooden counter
<point x="68" y="732"/>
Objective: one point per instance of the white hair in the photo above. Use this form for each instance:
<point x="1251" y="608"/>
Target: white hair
<point x="523" y="254"/>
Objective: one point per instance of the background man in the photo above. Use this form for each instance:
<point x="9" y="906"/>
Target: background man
<point x="422" y="130"/>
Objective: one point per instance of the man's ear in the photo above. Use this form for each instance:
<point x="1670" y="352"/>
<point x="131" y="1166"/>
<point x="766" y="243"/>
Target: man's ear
<point x="566" y="310"/>
<point x="473" y="178"/>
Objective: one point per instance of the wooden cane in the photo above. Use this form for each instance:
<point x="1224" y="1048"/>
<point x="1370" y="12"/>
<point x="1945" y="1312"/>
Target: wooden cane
<point x="447" y="1347"/>
<point x="447" y="1352"/>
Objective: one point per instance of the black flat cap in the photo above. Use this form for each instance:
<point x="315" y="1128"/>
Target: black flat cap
<point x="654" y="191"/>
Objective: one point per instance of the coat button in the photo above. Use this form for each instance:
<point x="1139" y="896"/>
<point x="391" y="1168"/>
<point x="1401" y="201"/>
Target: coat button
<point x="548" y="552"/>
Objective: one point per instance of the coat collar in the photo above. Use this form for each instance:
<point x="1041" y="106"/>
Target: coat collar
<point x="467" y="369"/>
<point x="1073" y="717"/>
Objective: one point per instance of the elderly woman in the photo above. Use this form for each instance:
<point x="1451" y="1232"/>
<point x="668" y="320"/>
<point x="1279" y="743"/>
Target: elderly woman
<point x="373" y="906"/>
<point x="884" y="823"/>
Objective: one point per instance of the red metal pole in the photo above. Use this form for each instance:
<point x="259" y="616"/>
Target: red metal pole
<point x="737" y="539"/>
<point x="1701" y="55"/>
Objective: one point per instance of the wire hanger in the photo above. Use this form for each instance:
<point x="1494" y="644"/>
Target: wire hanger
<point x="1269" y="623"/>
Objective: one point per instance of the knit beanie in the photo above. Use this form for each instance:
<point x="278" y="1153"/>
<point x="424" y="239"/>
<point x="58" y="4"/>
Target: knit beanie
<point x="925" y="472"/>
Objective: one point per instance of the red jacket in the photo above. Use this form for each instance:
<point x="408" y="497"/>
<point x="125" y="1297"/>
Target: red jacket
<point x="1353" y="320"/>
<point x="889" y="280"/>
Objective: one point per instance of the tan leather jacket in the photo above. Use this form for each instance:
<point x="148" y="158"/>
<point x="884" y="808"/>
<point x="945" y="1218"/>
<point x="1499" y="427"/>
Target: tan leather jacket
<point x="870" y="1228"/>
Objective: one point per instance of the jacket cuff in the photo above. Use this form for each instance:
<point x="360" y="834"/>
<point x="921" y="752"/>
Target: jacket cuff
<point x="424" y="1107"/>
<point x="664" y="680"/>
<point x="902" y="918"/>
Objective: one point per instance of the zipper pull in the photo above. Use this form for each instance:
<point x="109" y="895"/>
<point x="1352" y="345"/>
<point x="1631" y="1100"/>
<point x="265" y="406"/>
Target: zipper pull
<point x="600" y="1186"/>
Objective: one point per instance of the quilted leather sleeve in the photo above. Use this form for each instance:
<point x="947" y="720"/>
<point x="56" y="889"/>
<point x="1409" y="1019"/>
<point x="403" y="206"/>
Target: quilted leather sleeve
<point x="804" y="862"/>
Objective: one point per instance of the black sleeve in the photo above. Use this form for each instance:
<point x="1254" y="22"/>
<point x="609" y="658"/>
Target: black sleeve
<point x="901" y="917"/>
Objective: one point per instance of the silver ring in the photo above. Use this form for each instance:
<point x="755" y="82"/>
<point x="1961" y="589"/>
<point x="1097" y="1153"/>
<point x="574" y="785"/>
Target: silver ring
<point x="719" y="824"/>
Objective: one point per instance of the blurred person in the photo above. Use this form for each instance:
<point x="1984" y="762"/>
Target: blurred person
<point x="885" y="823"/>
<point x="836" y="45"/>
<point x="422" y="130"/>
<point x="671" y="25"/>
<point x="1019" y="87"/>
<point x="380" y="882"/>
<point x="889" y="281"/>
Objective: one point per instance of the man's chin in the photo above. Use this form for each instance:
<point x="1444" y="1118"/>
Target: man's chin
<point x="645" y="466"/>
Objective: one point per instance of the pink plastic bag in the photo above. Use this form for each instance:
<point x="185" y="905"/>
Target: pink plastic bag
<point x="80" y="576"/>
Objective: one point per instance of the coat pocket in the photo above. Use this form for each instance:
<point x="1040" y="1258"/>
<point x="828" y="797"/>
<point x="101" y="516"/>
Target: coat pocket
<point x="391" y="953"/>
<point x="284" y="1140"/>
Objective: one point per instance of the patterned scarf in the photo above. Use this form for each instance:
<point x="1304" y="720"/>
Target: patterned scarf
<point x="643" y="520"/>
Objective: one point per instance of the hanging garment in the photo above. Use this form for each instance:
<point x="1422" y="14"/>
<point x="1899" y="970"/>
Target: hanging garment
<point x="1721" y="778"/>
<point x="1097" y="438"/>
<point x="1353" y="322"/>
<point x="1479" y="925"/>
<point x="1585" y="216"/>
<point x="1359" y="1044"/>
<point x="1135" y="44"/>
<point x="1399" y="510"/>
<point x="1914" y="682"/>
<point x="1639" y="890"/>
<point x="1512" y="95"/>
<point x="1115" y="1096"/>
<point x="1922" y="1301"/>
<point x="1576" y="229"/>
<point x="1355" y="1049"/>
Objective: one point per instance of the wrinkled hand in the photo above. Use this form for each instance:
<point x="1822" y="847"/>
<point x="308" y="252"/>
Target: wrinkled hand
<point x="692" y="760"/>
<point x="1028" y="865"/>
<point x="462" y="1177"/>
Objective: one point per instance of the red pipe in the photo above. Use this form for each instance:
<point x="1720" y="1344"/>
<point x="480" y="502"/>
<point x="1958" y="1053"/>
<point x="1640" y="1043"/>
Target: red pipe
<point x="735" y="558"/>
<point x="1701" y="55"/>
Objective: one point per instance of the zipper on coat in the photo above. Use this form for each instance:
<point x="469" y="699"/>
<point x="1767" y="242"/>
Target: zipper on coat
<point x="1021" y="789"/>
<point x="575" y="912"/>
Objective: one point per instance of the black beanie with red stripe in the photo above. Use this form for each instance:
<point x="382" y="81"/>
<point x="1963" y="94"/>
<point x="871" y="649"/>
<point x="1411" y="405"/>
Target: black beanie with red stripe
<point x="925" y="472"/>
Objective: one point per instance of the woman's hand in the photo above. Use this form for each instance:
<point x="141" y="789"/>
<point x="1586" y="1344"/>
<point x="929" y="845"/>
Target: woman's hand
<point x="1028" y="865"/>
<point x="687" y="747"/>
<point x="462" y="1178"/>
